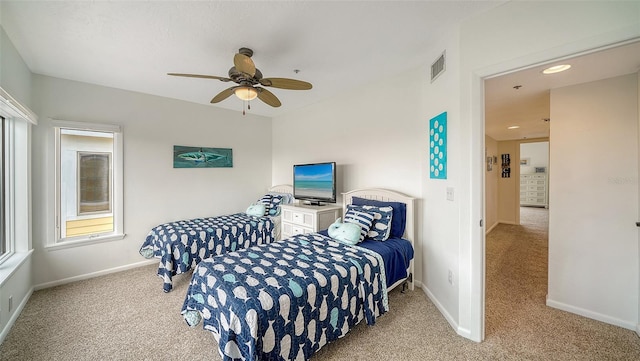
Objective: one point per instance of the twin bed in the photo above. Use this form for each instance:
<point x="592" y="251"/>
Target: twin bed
<point x="285" y="300"/>
<point x="181" y="245"/>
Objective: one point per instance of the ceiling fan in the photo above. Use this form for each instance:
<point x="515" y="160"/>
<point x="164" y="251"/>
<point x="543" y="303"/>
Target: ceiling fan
<point x="248" y="77"/>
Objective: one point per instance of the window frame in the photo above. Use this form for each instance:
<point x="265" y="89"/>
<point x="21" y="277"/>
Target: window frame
<point x="17" y="178"/>
<point x="117" y="194"/>
<point x="6" y="246"/>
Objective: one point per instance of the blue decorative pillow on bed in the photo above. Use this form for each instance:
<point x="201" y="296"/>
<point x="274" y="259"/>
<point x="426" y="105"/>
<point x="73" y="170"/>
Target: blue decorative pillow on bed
<point x="360" y="217"/>
<point x="271" y="204"/>
<point x="345" y="232"/>
<point x="287" y="198"/>
<point x="381" y="227"/>
<point x="399" y="218"/>
<point x="257" y="210"/>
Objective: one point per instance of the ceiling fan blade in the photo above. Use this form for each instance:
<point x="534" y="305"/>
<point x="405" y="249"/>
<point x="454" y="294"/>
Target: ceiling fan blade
<point x="284" y="83"/>
<point x="223" y="95"/>
<point x="200" y="76"/>
<point x="268" y="97"/>
<point x="244" y="64"/>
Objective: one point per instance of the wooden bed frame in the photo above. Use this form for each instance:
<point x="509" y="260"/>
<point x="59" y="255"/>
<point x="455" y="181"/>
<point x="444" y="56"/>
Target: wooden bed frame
<point x="386" y="195"/>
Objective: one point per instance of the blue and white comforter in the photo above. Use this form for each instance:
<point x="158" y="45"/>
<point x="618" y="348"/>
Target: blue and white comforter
<point x="183" y="244"/>
<point x="285" y="300"/>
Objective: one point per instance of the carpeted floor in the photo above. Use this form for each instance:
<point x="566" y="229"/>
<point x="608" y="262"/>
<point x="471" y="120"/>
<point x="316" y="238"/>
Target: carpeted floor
<point x="126" y="316"/>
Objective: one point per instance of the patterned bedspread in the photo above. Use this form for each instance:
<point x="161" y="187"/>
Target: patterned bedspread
<point x="183" y="244"/>
<point x="285" y="300"/>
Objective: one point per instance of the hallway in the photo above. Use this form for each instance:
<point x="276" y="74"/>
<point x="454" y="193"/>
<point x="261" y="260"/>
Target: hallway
<point x="516" y="312"/>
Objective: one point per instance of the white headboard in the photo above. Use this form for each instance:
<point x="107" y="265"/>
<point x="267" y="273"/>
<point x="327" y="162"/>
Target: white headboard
<point x="386" y="195"/>
<point x="282" y="188"/>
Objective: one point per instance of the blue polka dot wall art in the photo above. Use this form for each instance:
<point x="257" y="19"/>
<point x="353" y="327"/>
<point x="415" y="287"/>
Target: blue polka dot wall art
<point x="438" y="146"/>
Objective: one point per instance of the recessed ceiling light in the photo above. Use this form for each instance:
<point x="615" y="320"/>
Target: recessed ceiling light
<point x="513" y="127"/>
<point x="556" y="69"/>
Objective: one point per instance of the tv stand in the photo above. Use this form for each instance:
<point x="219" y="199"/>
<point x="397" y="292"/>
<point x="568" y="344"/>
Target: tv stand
<point x="314" y="203"/>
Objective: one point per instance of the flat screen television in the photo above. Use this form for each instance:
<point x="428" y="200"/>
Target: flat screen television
<point x="315" y="183"/>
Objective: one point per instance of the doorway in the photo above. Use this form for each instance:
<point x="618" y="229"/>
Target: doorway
<point x="516" y="248"/>
<point x="594" y="313"/>
<point x="534" y="174"/>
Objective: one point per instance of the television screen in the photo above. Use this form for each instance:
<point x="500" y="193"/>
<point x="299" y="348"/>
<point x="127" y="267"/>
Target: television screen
<point x="315" y="182"/>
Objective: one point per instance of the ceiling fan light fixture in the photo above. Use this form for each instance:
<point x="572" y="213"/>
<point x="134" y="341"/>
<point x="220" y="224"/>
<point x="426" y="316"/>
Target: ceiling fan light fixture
<point x="556" y="69"/>
<point x="246" y="93"/>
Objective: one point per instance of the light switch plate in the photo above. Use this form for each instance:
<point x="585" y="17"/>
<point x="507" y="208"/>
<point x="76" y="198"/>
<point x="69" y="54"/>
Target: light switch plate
<point x="450" y="193"/>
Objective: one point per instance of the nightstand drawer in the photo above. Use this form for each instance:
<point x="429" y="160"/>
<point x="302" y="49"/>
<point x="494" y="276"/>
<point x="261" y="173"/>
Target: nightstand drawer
<point x="297" y="217"/>
<point x="300" y="230"/>
<point x="302" y="219"/>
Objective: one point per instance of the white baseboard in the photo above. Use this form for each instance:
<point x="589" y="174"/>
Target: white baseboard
<point x="459" y="330"/>
<point x="15" y="315"/>
<point x="593" y="315"/>
<point x="95" y="274"/>
<point x="638" y="330"/>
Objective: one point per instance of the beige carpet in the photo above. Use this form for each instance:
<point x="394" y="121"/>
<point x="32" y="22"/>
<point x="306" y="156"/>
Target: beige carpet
<point x="126" y="316"/>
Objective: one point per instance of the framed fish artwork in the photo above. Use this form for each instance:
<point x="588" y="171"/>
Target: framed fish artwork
<point x="201" y="157"/>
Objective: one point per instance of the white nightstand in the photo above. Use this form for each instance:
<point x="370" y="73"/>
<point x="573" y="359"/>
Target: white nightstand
<point x="301" y="218"/>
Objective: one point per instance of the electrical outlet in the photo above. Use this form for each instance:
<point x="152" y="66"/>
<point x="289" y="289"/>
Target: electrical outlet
<point x="10" y="303"/>
<point x="451" y="277"/>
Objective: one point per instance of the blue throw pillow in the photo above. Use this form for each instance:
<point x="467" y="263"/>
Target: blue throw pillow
<point x="274" y="205"/>
<point x="271" y="204"/>
<point x="399" y="218"/>
<point x="381" y="228"/>
<point x="266" y="200"/>
<point x="361" y="218"/>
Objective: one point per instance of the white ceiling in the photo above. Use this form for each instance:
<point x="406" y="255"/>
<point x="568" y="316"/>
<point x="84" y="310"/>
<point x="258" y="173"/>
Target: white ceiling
<point x="131" y="45"/>
<point x="529" y="105"/>
<point x="336" y="45"/>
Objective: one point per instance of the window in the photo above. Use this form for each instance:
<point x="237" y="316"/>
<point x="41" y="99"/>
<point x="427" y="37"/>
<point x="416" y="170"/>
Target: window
<point x="88" y="183"/>
<point x="15" y="166"/>
<point x="5" y="248"/>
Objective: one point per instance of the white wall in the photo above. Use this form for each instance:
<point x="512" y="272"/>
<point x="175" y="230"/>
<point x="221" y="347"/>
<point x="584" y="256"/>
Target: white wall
<point x="370" y="133"/>
<point x="155" y="192"/>
<point x="15" y="76"/>
<point x="538" y="155"/>
<point x="593" y="239"/>
<point x="442" y="217"/>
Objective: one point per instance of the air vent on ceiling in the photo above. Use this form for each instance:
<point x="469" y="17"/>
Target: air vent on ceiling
<point x="438" y="67"/>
